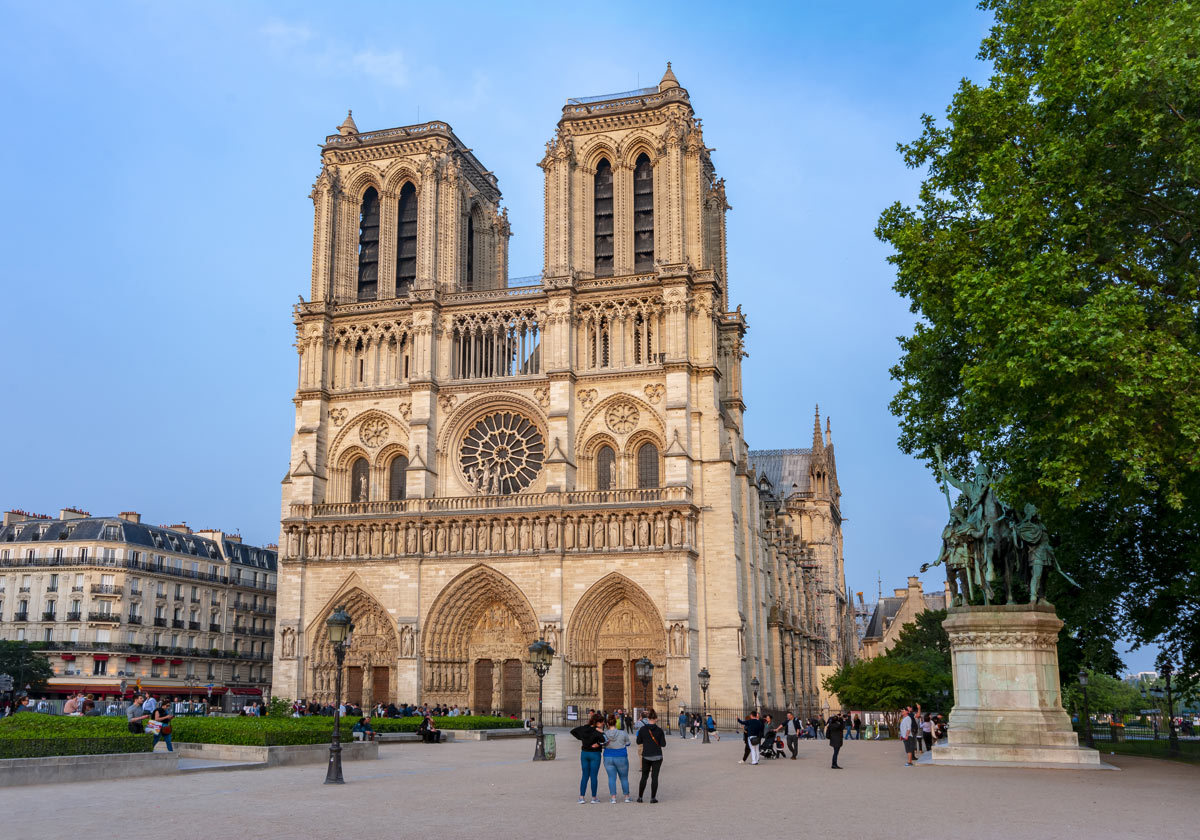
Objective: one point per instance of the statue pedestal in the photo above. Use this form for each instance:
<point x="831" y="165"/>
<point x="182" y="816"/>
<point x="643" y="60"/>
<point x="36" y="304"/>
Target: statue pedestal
<point x="1008" y="702"/>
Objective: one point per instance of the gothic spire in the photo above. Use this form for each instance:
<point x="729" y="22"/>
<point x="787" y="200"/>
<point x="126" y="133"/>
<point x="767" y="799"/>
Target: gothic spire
<point x="668" y="80"/>
<point x="348" y="127"/>
<point x="818" y="440"/>
<point x="828" y="432"/>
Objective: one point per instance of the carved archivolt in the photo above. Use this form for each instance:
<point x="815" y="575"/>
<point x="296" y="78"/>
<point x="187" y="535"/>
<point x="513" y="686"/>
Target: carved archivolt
<point x="477" y="596"/>
<point x="615" y="614"/>
<point x="371" y="425"/>
<point x="374" y="643"/>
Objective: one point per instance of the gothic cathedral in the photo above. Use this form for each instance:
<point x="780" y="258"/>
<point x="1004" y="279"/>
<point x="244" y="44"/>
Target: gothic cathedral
<point x="479" y="462"/>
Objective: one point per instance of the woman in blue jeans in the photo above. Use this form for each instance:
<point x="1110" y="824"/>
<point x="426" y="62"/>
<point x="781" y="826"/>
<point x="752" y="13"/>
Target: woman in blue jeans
<point x="591" y="753"/>
<point x="162" y="716"/>
<point x="616" y="759"/>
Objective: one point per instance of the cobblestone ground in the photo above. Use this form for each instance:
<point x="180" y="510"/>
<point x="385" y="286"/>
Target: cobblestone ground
<point x="492" y="790"/>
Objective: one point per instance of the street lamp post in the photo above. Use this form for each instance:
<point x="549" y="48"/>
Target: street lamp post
<point x="645" y="671"/>
<point x="1087" y="720"/>
<point x="541" y="656"/>
<point x="704" y="677"/>
<point x="339" y="627"/>
<point x="1172" y="735"/>
<point x="754" y="687"/>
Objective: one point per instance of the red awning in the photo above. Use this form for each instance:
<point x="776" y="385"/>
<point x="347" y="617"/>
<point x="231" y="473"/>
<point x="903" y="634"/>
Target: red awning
<point x="157" y="661"/>
<point x="253" y="691"/>
<point x="176" y="661"/>
<point x="100" y="657"/>
<point x="67" y="657"/>
<point x="133" y="659"/>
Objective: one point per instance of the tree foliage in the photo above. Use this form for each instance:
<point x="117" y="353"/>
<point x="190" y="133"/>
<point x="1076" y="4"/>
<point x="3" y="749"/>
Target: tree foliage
<point x="1105" y="695"/>
<point x="881" y="684"/>
<point x="22" y="662"/>
<point x="1053" y="259"/>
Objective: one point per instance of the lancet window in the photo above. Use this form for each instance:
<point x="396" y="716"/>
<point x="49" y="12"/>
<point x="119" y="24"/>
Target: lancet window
<point x="606" y="469"/>
<point x="360" y="481"/>
<point x="368" y="246"/>
<point x="643" y="215"/>
<point x="603" y="213"/>
<point x="370" y="356"/>
<point x="620" y="334"/>
<point x="396" y="477"/>
<point x="647" y="466"/>
<point x="490" y="344"/>
<point x="471" y="284"/>
<point x="406" y="240"/>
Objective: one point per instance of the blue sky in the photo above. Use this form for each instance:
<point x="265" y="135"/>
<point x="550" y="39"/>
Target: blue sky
<point x="158" y="228"/>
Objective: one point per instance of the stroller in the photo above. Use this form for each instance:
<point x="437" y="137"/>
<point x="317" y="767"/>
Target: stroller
<point x="771" y="746"/>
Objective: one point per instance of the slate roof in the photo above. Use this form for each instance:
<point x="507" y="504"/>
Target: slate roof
<point x="783" y="468"/>
<point x="54" y="531"/>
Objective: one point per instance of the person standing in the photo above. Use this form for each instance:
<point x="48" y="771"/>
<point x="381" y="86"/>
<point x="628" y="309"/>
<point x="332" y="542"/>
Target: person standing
<point x="833" y="733"/>
<point x="684" y="720"/>
<point x="591" y="753"/>
<point x="163" y="717"/>
<point x="791" y="731"/>
<point x="616" y="759"/>
<point x="907" y="735"/>
<point x="652" y="740"/>
<point x="858" y="728"/>
<point x="927" y="731"/>
<point x="752" y="736"/>
<point x="135" y="714"/>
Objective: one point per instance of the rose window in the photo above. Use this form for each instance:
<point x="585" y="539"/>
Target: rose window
<point x="622" y="418"/>
<point x="502" y="453"/>
<point x="373" y="431"/>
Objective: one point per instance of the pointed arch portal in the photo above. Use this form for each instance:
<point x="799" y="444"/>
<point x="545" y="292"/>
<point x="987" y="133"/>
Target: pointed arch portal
<point x="476" y="640"/>
<point x="369" y="669"/>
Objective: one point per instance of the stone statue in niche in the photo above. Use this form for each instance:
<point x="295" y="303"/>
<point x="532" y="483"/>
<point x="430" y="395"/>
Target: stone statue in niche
<point x="676" y="530"/>
<point x="629" y="532"/>
<point x="643" y="531"/>
<point x="287" y="643"/>
<point x="659" y="530"/>
<point x="408" y="642"/>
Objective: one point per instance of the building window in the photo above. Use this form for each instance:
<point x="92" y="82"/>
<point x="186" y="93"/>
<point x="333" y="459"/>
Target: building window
<point x="647" y="466"/>
<point x="643" y="215"/>
<point x="470" y="251"/>
<point x="406" y="240"/>
<point x="99" y="667"/>
<point x="396" y="477"/>
<point x="359" y="481"/>
<point x="606" y="469"/>
<point x="603" y="214"/>
<point x="368" y="246"/>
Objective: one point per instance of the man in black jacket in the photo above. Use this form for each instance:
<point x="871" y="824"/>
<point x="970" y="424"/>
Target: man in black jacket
<point x="833" y="731"/>
<point x="752" y="736"/>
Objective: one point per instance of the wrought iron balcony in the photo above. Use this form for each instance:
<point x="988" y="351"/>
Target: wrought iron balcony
<point x="114" y="618"/>
<point x="107" y="589"/>
<point x="48" y="616"/>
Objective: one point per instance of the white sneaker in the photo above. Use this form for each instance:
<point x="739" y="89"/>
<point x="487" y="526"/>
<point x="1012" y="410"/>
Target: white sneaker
<point x="743" y="761"/>
<point x="627" y="799"/>
<point x="582" y="801"/>
<point x="614" y="801"/>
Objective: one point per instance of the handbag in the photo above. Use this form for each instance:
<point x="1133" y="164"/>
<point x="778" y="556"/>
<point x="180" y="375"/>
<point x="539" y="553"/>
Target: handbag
<point x="166" y="729"/>
<point x="153" y="727"/>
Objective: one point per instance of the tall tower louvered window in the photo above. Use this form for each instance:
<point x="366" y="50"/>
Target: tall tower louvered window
<point x="604" y="219"/>
<point x="643" y="215"/>
<point x="396" y="475"/>
<point x="606" y="469"/>
<point x="368" y="246"/>
<point x="471" y="284"/>
<point x="360" y="488"/>
<point x="647" y="466"/>
<point x="406" y="240"/>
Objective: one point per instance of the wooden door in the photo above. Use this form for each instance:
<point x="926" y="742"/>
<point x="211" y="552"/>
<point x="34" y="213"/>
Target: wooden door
<point x="511" y="687"/>
<point x="354" y="685"/>
<point x="640" y="693"/>
<point x="380" y="685"/>
<point x="482" y="704"/>
<point x="613" y="685"/>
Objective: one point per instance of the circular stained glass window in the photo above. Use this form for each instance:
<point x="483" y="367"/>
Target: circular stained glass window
<point x="502" y="453"/>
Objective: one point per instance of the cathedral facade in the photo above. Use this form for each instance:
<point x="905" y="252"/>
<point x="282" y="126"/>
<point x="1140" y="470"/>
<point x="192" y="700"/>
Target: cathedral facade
<point x="480" y="463"/>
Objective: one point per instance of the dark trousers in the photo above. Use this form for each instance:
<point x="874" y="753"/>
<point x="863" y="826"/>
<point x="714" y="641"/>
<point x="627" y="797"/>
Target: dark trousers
<point x="793" y="743"/>
<point x="649" y="768"/>
<point x="928" y="738"/>
<point x="836" y="749"/>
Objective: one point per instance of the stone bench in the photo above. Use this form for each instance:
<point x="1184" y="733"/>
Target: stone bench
<point x="409" y="737"/>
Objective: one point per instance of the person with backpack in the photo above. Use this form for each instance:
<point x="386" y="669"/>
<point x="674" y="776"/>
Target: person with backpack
<point x="652" y="740"/>
<point x="591" y="753"/>
<point x="833" y="733"/>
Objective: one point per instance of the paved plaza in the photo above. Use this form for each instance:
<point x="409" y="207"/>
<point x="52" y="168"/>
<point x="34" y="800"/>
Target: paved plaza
<point x="492" y="790"/>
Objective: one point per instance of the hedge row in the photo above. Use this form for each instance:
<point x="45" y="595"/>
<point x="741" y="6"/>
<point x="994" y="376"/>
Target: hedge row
<point x="27" y="735"/>
<point x="410" y="724"/>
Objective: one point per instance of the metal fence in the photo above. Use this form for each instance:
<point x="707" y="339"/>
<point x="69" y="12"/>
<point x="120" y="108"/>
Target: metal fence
<point x="1137" y="739"/>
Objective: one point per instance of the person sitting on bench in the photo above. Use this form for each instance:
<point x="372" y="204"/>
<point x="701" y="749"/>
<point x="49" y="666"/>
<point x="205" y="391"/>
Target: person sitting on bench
<point x="429" y="733"/>
<point x="363" y="731"/>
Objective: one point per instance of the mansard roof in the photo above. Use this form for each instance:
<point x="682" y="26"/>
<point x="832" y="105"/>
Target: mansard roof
<point x="34" y="531"/>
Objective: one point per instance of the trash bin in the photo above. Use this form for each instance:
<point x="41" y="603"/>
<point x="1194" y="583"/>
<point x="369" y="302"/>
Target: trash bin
<point x="549" y="744"/>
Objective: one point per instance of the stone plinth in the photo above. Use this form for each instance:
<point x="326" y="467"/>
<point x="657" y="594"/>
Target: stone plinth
<point x="1008" y="701"/>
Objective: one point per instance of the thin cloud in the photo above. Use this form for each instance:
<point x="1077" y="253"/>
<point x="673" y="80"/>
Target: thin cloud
<point x="387" y="67"/>
<point x="284" y="36"/>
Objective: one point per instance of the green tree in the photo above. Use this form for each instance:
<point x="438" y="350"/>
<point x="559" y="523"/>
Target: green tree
<point x="1105" y="695"/>
<point x="879" y="685"/>
<point x="924" y="642"/>
<point x="1053" y="259"/>
<point x="23" y="662"/>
